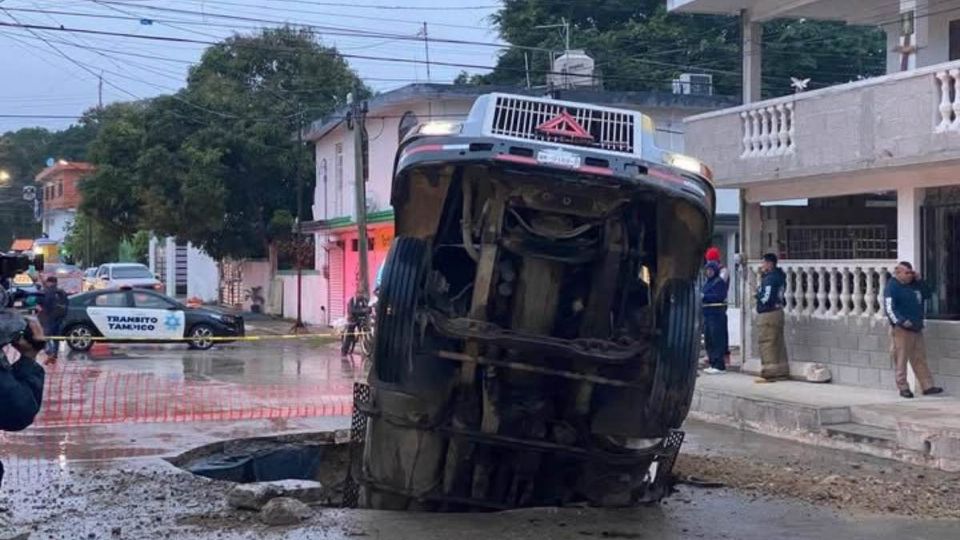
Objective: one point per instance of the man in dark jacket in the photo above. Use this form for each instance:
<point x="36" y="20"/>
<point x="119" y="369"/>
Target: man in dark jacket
<point x="770" y="321"/>
<point x="903" y="303"/>
<point x="21" y="383"/>
<point x="715" y="318"/>
<point x="52" y="311"/>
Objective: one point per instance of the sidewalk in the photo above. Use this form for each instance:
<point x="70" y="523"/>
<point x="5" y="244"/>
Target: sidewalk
<point x="923" y="431"/>
<point x="260" y="324"/>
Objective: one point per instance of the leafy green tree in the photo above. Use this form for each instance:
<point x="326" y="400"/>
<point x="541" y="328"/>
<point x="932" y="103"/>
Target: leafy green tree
<point x="637" y="45"/>
<point x="89" y="244"/>
<point x="215" y="162"/>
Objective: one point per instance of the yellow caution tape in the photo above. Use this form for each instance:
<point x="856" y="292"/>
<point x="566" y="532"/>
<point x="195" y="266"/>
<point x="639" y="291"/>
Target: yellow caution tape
<point x="268" y="337"/>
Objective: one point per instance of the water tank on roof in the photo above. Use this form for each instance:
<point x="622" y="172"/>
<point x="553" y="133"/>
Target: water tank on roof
<point x="572" y="68"/>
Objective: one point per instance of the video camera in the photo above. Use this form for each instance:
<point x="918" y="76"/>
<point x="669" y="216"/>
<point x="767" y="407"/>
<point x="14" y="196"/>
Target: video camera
<point x="12" y="264"/>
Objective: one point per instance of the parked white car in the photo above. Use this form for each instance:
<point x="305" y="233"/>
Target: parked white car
<point x="126" y="275"/>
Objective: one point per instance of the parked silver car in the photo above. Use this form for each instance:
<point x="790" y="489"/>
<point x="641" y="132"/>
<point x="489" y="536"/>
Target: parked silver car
<point x="120" y="275"/>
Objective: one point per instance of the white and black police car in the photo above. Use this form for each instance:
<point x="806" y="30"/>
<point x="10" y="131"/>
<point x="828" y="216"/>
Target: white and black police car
<point x="138" y="315"/>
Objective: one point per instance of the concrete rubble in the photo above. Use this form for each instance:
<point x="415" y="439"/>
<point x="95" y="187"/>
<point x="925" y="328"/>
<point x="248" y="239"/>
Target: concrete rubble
<point x="284" y="511"/>
<point x="254" y="496"/>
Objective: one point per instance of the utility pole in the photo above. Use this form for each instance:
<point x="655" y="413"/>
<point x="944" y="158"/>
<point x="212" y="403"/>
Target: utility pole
<point x="298" y="246"/>
<point x="426" y="48"/>
<point x="526" y="67"/>
<point x="358" y="115"/>
<point x="89" y="261"/>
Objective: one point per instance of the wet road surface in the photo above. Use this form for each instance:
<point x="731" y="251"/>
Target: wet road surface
<point x="99" y="473"/>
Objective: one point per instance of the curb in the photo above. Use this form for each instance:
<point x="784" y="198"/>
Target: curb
<point x="912" y="443"/>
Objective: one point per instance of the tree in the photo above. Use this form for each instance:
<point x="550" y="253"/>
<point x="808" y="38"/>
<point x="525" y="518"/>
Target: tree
<point x="90" y="244"/>
<point x="213" y="163"/>
<point x="638" y="45"/>
<point x="23" y="154"/>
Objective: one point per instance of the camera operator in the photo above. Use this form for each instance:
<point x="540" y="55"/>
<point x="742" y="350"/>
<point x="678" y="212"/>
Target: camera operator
<point x="21" y="382"/>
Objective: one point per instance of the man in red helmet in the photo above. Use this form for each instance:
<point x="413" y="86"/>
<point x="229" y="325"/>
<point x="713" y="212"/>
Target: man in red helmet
<point x="713" y="255"/>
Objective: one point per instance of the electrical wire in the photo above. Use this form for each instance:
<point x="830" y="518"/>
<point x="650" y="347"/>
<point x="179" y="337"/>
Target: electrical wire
<point x="173" y="39"/>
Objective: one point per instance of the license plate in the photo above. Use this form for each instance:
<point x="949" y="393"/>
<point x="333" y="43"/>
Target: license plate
<point x="559" y="158"/>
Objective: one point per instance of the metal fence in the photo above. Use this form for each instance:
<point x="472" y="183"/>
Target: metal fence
<point x="79" y="396"/>
<point x="840" y="242"/>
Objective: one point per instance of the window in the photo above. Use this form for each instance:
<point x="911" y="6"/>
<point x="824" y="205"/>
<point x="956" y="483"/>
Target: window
<point x="146" y="300"/>
<point x="940" y="242"/>
<point x="117" y="299"/>
<point x="132" y="272"/>
<point x="338" y="180"/>
<point x="355" y="244"/>
<point x="955" y="40"/>
<point x="60" y="188"/>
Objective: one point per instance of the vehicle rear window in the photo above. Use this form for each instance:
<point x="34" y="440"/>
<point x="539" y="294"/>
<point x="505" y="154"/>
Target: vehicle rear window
<point x="132" y="272"/>
<point x="117" y="299"/>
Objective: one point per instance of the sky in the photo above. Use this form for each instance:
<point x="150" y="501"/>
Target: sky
<point x="51" y="72"/>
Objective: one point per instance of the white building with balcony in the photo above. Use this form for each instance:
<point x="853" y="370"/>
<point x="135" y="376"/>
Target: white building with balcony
<point x="841" y="182"/>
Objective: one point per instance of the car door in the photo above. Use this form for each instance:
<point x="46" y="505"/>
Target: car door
<point x="166" y="315"/>
<point x="109" y="312"/>
<point x="103" y="277"/>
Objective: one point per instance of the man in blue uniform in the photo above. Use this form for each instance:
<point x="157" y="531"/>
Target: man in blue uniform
<point x="903" y="303"/>
<point x="770" y="321"/>
<point x="715" y="318"/>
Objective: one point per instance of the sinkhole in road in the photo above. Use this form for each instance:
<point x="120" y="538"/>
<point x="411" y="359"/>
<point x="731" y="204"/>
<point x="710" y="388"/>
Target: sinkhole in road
<point x="323" y="457"/>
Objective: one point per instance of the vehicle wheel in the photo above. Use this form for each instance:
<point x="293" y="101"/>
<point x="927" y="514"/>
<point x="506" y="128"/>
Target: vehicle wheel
<point x="678" y="319"/>
<point x="347" y="342"/>
<point x="80" y="337"/>
<point x="400" y="287"/>
<point x="201" y="337"/>
<point x="366" y="340"/>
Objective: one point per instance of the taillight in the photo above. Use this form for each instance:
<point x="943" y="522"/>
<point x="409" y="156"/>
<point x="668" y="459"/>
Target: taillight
<point x="158" y="287"/>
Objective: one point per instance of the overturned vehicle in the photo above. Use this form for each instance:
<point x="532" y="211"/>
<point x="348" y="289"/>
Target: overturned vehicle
<point x="538" y="319"/>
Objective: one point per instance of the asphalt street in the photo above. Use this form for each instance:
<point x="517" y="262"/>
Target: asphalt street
<point x="95" y="469"/>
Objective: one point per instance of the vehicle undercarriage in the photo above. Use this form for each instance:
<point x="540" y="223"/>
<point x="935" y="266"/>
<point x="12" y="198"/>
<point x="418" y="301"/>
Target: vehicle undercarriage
<point x="536" y="339"/>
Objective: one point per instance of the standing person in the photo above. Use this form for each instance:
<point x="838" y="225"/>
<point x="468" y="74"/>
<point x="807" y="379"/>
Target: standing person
<point x="715" y="319"/>
<point x="21" y="382"/>
<point x="714" y="255"/>
<point x="770" y="322"/>
<point x="903" y="302"/>
<point x="21" y="385"/>
<point x="52" y="310"/>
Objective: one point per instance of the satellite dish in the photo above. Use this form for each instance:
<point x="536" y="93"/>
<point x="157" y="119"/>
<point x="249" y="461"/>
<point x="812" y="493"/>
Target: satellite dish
<point x="50" y="162"/>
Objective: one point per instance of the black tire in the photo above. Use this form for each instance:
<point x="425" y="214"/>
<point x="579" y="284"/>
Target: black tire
<point x="403" y="277"/>
<point x="200" y="335"/>
<point x="347" y="342"/>
<point x="79" y="337"/>
<point x="679" y="321"/>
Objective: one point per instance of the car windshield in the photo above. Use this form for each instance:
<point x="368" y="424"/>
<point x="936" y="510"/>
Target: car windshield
<point x="131" y="272"/>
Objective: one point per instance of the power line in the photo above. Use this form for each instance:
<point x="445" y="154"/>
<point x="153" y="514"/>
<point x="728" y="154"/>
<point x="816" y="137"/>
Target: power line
<point x="173" y="39"/>
<point x="392" y="20"/>
<point x="320" y="29"/>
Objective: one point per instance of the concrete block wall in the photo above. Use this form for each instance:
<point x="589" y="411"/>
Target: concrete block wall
<point x="857" y="350"/>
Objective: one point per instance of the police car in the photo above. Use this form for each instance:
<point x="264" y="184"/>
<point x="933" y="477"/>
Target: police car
<point x="143" y="315"/>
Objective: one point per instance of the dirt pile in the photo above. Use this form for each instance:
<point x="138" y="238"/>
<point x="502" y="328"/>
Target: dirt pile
<point x="893" y="489"/>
